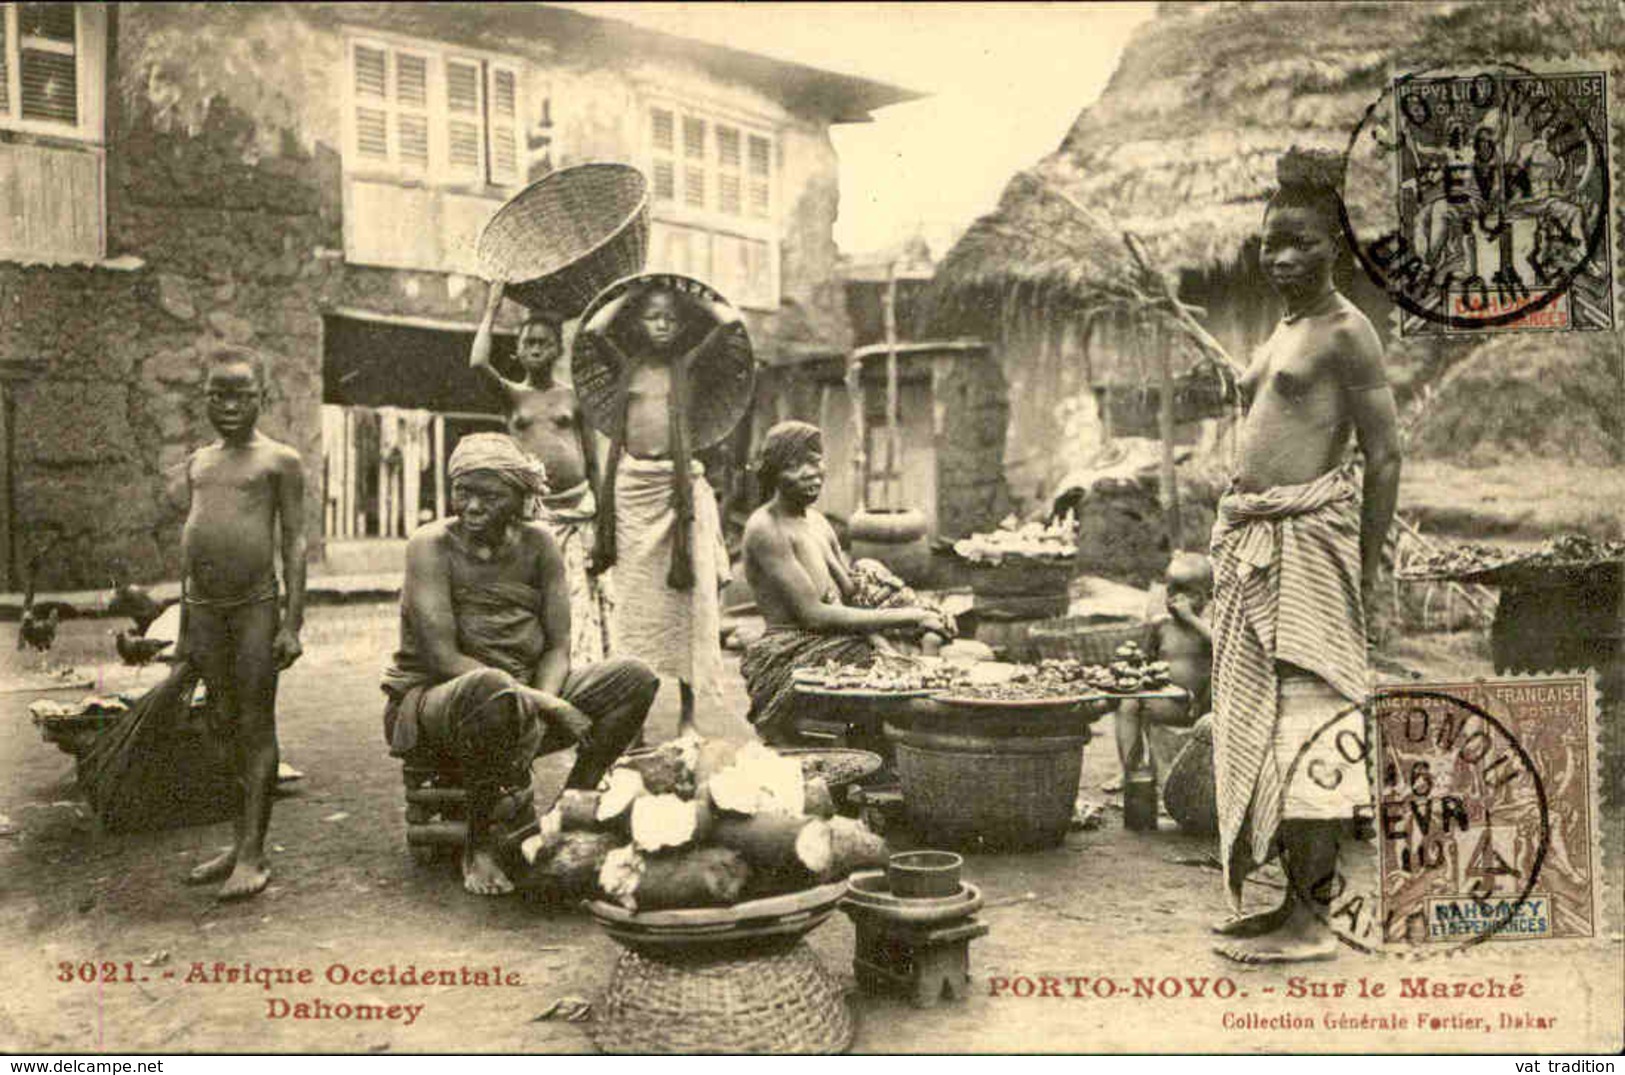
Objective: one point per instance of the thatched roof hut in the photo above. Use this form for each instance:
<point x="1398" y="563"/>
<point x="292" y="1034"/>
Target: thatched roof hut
<point x="1181" y="149"/>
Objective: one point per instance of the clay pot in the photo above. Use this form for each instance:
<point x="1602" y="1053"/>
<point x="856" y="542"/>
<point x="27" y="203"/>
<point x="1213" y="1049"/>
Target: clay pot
<point x="895" y="537"/>
<point x="924" y="874"/>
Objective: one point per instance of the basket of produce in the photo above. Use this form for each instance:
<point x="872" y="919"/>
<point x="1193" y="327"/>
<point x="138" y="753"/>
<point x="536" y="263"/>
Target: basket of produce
<point x="1021" y="559"/>
<point x="700" y="826"/>
<point x="562" y="239"/>
<point x="1089" y="639"/>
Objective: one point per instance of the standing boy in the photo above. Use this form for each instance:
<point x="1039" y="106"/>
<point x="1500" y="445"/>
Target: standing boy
<point x="247" y="491"/>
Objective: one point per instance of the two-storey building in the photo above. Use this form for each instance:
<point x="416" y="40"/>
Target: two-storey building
<point x="310" y="179"/>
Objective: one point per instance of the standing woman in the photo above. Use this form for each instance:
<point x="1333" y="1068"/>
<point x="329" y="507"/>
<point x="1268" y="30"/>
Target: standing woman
<point x="1296" y="551"/>
<point x="545" y="419"/>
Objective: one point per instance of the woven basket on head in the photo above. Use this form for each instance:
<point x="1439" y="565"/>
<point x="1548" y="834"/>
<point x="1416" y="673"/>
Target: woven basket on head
<point x="721" y="380"/>
<point x="1090" y="639"/>
<point x="780" y="1001"/>
<point x="559" y="241"/>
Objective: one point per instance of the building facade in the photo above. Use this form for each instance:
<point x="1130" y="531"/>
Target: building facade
<point x="310" y="180"/>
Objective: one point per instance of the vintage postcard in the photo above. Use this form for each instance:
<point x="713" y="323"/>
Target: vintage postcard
<point x="786" y="528"/>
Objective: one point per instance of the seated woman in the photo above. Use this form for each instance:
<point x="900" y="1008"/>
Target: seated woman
<point x="482" y="679"/>
<point x="804" y="586"/>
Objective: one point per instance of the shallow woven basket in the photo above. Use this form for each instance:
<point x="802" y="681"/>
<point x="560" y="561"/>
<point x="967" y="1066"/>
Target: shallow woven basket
<point x="1016" y="794"/>
<point x="562" y="239"/>
<point x="782" y="1001"/>
<point x="1021" y="576"/>
<point x="1090" y="639"/>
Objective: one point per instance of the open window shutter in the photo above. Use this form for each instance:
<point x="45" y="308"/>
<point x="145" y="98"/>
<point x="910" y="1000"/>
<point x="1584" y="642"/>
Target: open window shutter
<point x="5" y="66"/>
<point x="694" y="162"/>
<point x="761" y="175"/>
<point x="412" y="105"/>
<point x="502" y="124"/>
<point x="371" y="94"/>
<point x="48" y="63"/>
<point x="463" y="149"/>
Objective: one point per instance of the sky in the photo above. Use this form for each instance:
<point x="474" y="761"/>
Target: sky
<point x="1006" y="81"/>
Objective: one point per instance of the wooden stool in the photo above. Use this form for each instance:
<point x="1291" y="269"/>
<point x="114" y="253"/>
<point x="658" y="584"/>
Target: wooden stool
<point x="924" y="962"/>
<point x="437" y="812"/>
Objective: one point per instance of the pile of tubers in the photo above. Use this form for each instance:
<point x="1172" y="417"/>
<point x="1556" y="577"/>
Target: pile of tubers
<point x="698" y="823"/>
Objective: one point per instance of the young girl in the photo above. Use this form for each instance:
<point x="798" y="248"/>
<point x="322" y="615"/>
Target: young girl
<point x="659" y="524"/>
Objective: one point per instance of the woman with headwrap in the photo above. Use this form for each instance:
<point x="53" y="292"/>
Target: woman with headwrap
<point x="803" y="585"/>
<point x="482" y="681"/>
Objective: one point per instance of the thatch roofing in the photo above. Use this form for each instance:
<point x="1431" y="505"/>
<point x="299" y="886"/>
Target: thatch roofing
<point x="1182" y="145"/>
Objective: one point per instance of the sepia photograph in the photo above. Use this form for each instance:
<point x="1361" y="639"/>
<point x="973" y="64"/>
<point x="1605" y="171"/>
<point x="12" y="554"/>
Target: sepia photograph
<point x="809" y="528"/>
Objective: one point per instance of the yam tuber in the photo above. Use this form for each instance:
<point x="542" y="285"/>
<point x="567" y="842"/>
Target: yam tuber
<point x="578" y="809"/>
<point x="777" y="841"/>
<point x="820" y="802"/>
<point x="545" y="841"/>
<point x="697" y="877"/>
<point x="619" y="791"/>
<point x="853" y="846"/>
<point x="759" y="781"/>
<point x="663" y="771"/>
<point x="662" y="821"/>
<point x="618" y="876"/>
<point x="572" y="870"/>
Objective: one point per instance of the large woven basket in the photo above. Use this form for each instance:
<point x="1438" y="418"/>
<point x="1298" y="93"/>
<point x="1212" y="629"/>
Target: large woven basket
<point x="776" y="1002"/>
<point x="721" y="381"/>
<point x="1090" y="639"/>
<point x="562" y="239"/>
<point x="1000" y="793"/>
<point x="1021" y="576"/>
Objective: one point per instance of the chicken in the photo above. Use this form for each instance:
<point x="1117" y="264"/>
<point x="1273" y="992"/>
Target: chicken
<point x="136" y="603"/>
<point x="37" y="628"/>
<point x="138" y="651"/>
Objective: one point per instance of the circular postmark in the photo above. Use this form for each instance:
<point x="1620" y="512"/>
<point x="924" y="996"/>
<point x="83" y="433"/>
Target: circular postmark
<point x="1457" y="818"/>
<point x="1477" y="198"/>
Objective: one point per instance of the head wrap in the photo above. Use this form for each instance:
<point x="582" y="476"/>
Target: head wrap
<point x="500" y="455"/>
<point x="786" y="445"/>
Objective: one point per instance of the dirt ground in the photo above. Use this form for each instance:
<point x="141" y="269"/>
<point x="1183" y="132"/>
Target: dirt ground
<point x="1109" y="904"/>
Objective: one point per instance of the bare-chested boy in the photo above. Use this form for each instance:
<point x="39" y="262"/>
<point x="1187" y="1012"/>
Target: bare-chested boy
<point x="545" y="420"/>
<point x="247" y="494"/>
<point x="1184" y="641"/>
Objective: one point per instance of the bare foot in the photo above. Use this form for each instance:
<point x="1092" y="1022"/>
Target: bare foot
<point x="1275" y="948"/>
<point x="216" y="869"/>
<point x="482" y="876"/>
<point x="247" y="878"/>
<point x="1256" y="924"/>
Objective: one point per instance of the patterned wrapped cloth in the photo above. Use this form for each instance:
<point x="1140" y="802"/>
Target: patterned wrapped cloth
<point x="770" y="663"/>
<point x="570" y="514"/>
<point x="1287" y="589"/>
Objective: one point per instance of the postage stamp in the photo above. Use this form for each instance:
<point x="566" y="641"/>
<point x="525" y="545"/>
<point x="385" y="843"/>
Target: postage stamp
<point x="1479" y="199"/>
<point x="1483" y="822"/>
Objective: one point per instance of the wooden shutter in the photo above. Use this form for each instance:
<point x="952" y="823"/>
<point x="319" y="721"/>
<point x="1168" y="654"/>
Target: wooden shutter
<point x="502" y="124"/>
<point x="728" y="169"/>
<point x="372" y="102"/>
<point x="663" y="146"/>
<point x="412" y="110"/>
<point x="694" y="162"/>
<point x="464" y="151"/>
<point x="5" y="65"/>
<point x="761" y="175"/>
<point x="48" y="63"/>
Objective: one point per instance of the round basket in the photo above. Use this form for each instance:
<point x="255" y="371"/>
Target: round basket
<point x="767" y="1003"/>
<point x="838" y="766"/>
<point x="563" y="238"/>
<point x="1090" y="639"/>
<point x="721" y="381"/>
<point x="1021" y="576"/>
<point x="1006" y="793"/>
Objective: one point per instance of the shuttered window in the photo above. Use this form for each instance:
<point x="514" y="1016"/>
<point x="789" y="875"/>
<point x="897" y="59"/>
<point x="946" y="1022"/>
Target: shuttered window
<point x="711" y="179"/>
<point x="421" y="113"/>
<point x="49" y="79"/>
<point x="52" y="84"/>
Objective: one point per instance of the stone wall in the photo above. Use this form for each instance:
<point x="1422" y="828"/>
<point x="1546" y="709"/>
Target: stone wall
<point x="972" y="412"/>
<point x="224" y="221"/>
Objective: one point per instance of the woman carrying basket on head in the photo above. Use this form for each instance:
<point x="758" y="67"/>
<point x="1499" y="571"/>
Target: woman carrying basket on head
<point x="545" y="419"/>
<point x="657" y="349"/>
